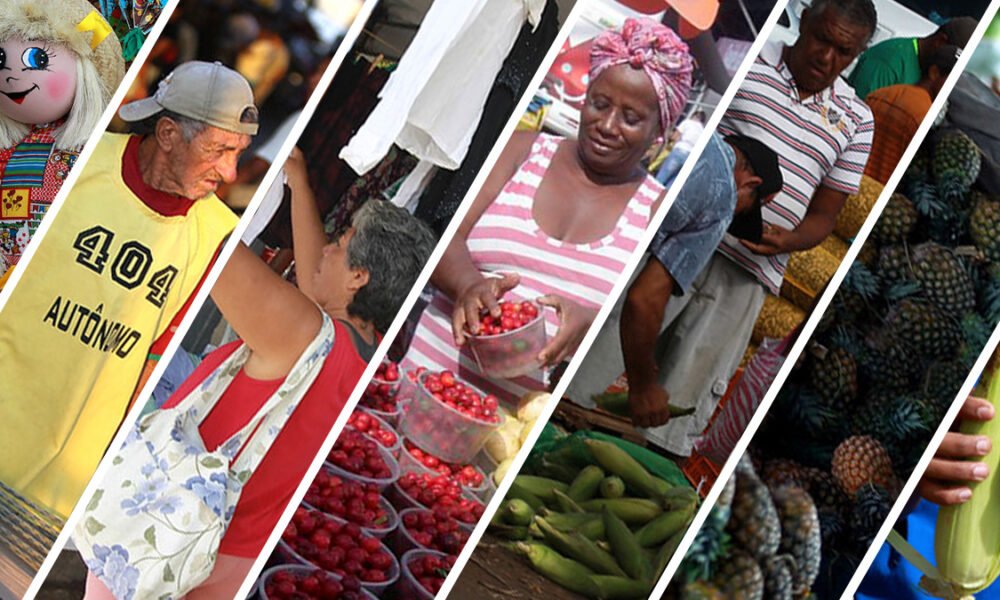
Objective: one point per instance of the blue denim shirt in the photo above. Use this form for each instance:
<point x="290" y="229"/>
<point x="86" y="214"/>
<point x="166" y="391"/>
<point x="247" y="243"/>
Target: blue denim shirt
<point x="699" y="217"/>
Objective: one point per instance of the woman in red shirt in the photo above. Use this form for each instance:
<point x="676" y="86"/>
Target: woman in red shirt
<point x="360" y="280"/>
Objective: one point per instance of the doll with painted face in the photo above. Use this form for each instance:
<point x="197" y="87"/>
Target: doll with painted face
<point x="60" y="63"/>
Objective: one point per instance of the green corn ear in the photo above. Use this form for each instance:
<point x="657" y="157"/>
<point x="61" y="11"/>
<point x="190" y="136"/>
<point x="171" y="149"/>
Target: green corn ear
<point x="967" y="538"/>
<point x="585" y="484"/>
<point x="565" y="571"/>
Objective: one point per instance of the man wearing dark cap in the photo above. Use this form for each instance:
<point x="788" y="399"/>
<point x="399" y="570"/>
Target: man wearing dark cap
<point x="120" y="259"/>
<point x="733" y="178"/>
<point x="904" y="60"/>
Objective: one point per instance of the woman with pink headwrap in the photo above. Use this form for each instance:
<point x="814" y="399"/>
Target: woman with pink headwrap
<point x="557" y="219"/>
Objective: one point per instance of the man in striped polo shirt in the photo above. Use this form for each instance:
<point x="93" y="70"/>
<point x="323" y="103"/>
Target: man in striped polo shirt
<point x="794" y="101"/>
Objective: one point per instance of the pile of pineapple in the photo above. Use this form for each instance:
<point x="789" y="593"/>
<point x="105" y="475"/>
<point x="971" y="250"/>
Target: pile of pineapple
<point x="761" y="540"/>
<point x="885" y="363"/>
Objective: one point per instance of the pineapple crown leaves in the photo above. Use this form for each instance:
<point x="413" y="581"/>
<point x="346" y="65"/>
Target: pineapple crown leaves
<point x="902" y="290"/>
<point x="861" y="280"/>
<point x="710" y="544"/>
<point x="906" y="418"/>
<point x="926" y="200"/>
<point x="975" y="335"/>
<point x="808" y="409"/>
<point x="844" y="337"/>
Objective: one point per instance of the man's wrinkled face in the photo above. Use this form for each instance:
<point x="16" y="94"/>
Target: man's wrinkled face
<point x="37" y="80"/>
<point x="207" y="161"/>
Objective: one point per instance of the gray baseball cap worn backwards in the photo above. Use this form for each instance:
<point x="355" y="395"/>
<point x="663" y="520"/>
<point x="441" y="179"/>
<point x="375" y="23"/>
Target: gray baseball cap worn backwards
<point x="208" y="92"/>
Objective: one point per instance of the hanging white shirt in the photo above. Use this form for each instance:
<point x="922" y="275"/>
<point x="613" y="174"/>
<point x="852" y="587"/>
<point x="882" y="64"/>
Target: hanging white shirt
<point x="433" y="101"/>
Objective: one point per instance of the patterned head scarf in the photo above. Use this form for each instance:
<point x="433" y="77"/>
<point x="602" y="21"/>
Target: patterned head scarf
<point x="653" y="47"/>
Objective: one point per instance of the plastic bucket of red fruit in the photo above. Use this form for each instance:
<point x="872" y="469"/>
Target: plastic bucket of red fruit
<point x="469" y="476"/>
<point x="333" y="551"/>
<point x="387" y="519"/>
<point x="367" y="422"/>
<point x="386" y="456"/>
<point x="417" y="574"/>
<point x="465" y="500"/>
<point x="422" y="529"/>
<point x="440" y="428"/>
<point x="509" y="347"/>
<point x="293" y="581"/>
<point x="380" y="397"/>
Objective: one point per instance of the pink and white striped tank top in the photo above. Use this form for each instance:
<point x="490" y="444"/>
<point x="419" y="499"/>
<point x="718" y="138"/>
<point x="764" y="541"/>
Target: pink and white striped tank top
<point x="508" y="239"/>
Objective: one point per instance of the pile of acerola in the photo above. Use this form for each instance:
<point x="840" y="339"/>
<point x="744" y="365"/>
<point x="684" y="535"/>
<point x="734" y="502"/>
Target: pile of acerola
<point x="381" y="392"/>
<point x="370" y="426"/>
<point x="359" y="454"/>
<point x="430" y="571"/>
<point x="311" y="584"/>
<point x="513" y="316"/>
<point x="466" y="475"/>
<point x="344" y="526"/>
<point x="447" y="389"/>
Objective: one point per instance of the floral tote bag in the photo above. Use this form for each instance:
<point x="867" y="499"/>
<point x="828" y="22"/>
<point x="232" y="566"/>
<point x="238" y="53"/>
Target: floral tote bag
<point x="153" y="529"/>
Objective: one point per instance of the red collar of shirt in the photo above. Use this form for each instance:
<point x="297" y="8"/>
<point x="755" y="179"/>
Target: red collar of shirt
<point x="168" y="205"/>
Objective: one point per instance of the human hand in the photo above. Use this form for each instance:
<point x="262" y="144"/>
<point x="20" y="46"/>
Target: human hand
<point x="296" y="169"/>
<point x="774" y="240"/>
<point x="485" y="293"/>
<point x="649" y="405"/>
<point x="945" y="481"/>
<point x="574" y="321"/>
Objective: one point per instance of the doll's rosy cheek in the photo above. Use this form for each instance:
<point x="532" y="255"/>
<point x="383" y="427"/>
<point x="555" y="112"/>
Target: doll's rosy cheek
<point x="59" y="85"/>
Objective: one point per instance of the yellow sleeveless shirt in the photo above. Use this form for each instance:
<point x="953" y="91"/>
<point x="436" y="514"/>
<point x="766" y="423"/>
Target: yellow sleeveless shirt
<point x="104" y="283"/>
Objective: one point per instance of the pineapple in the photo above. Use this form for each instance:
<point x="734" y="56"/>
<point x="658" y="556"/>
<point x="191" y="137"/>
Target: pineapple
<point x="825" y="491"/>
<point x="862" y="459"/>
<point x="800" y="534"/>
<point x="868" y="255"/>
<point x="956" y="163"/>
<point x="835" y="377"/>
<point x="896" y="222"/>
<point x="857" y="208"/>
<point x="894" y="265"/>
<point x="740" y="577"/>
<point x="778" y="317"/>
<point x="780" y="471"/>
<point x="984" y="225"/>
<point x="887" y="363"/>
<point x="754" y="524"/>
<point x="702" y="590"/>
<point x="779" y="581"/>
<point x="835" y="246"/>
<point x="924" y="328"/>
<point x="943" y="278"/>
<point x="871" y="508"/>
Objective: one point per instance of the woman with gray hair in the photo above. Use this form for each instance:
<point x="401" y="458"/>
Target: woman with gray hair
<point x="359" y="280"/>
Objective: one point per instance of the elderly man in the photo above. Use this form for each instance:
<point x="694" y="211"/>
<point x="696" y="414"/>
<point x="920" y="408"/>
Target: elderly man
<point x="730" y="182"/>
<point x="121" y="258"/>
<point x="903" y="60"/>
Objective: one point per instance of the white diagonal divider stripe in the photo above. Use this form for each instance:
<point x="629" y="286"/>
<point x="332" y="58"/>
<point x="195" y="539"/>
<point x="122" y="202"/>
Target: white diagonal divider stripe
<point x="602" y="315"/>
<point x="199" y="299"/>
<point x="823" y="303"/>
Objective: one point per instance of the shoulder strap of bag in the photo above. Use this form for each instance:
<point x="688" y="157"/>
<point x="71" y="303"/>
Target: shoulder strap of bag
<point x="279" y="408"/>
